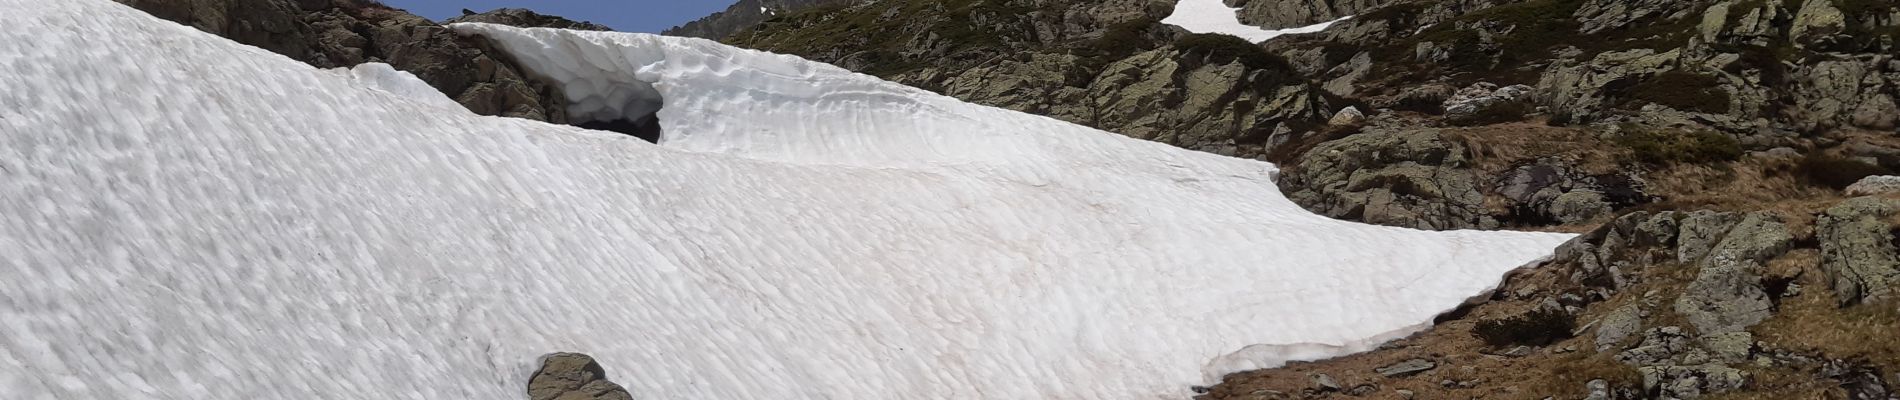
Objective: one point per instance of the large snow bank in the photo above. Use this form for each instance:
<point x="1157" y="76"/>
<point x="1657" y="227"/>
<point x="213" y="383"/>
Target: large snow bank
<point x="182" y="217"/>
<point x="1214" y="16"/>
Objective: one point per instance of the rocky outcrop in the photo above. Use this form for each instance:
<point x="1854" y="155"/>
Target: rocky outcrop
<point x="1596" y="16"/>
<point x="1390" y="175"/>
<point x="526" y="19"/>
<point x="272" y="25"/>
<point x="343" y="33"/>
<point x="1226" y="108"/>
<point x="1281" y="14"/>
<point x="742" y="15"/>
<point x="1858" y="248"/>
<point x="573" y="376"/>
<point x="1578" y="87"/>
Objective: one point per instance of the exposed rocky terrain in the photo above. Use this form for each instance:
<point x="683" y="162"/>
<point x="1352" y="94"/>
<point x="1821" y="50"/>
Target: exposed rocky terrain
<point x="740" y="16"/>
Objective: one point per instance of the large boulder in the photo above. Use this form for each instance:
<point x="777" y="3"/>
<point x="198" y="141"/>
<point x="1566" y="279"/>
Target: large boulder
<point x="1858" y="250"/>
<point x="1390" y="175"/>
<point x="1875" y="185"/>
<point x="573" y="376"/>
<point x="1485" y="103"/>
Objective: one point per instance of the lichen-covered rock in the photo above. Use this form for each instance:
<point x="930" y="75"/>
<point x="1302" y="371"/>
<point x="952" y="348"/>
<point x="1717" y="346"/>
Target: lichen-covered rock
<point x="1817" y="18"/>
<point x="1171" y="97"/>
<point x="1398" y="176"/>
<point x="573" y="376"/>
<point x="1858" y="251"/>
<point x="1485" y="103"/>
<point x="1848" y="92"/>
<point x="1618" y="325"/>
<point x="1726" y="296"/>
<point x="1579" y="206"/>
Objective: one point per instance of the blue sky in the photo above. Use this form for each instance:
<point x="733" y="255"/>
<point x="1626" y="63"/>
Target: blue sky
<point x="625" y="15"/>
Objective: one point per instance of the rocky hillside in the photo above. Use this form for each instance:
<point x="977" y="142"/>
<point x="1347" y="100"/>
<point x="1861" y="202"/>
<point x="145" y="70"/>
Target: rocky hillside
<point x="742" y="15"/>
<point x="1107" y="64"/>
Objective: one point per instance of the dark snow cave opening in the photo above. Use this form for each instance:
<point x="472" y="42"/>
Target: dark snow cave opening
<point x="630" y="107"/>
<point x="646" y="128"/>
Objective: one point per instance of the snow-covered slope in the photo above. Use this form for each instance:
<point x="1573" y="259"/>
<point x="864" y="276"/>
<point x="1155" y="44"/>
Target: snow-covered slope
<point x="182" y="217"/>
<point x="1214" y="16"/>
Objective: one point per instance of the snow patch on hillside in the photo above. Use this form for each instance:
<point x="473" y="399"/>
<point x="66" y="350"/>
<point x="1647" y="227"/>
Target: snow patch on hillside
<point x="183" y="217"/>
<point x="1213" y="16"/>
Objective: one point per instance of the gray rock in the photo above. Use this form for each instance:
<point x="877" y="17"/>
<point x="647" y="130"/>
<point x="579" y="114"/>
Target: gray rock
<point x="571" y="376"/>
<point x="1325" y="383"/>
<point x="1732" y="347"/>
<point x="1757" y="238"/>
<point x="1690" y="382"/>
<point x="1618" y="325"/>
<point x="1857" y="249"/>
<point x="1405" y="394"/>
<point x="1698" y="232"/>
<point x="1598" y="390"/>
<point x="1663" y="346"/>
<point x="1485" y="103"/>
<point x="1726" y="296"/>
<point x="1350" y="116"/>
<point x="1407" y="368"/>
<point x="1875" y="185"/>
<point x="1579" y="206"/>
<point x="1817" y="18"/>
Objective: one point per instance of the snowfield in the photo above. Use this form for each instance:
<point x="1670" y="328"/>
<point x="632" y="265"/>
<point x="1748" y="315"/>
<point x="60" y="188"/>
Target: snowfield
<point x="183" y="217"/>
<point x="1214" y="16"/>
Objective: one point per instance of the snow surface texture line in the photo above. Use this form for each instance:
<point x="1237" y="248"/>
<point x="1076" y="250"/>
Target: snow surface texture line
<point x="183" y="217"/>
<point x="1214" y="16"/>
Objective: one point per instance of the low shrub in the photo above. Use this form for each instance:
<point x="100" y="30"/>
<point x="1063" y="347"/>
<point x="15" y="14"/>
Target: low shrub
<point x="1536" y="328"/>
<point x="1655" y="147"/>
<point x="1835" y="171"/>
